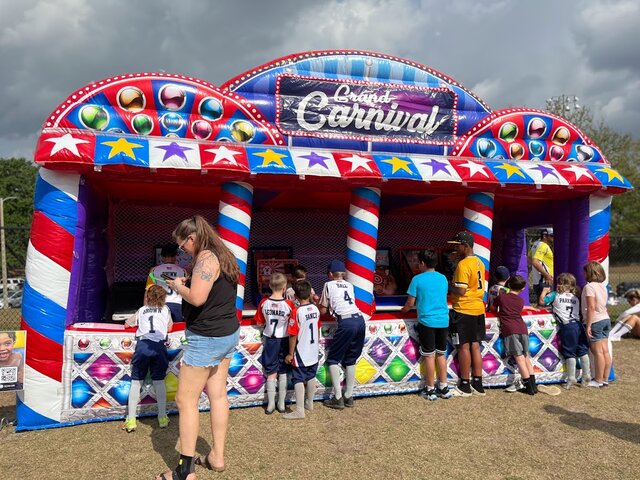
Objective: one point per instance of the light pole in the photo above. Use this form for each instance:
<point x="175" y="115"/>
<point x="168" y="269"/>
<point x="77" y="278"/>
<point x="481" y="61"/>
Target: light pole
<point x="3" y="253"/>
<point x="564" y="103"/>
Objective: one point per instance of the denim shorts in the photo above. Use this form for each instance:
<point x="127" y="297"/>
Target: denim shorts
<point x="600" y="330"/>
<point x="208" y="351"/>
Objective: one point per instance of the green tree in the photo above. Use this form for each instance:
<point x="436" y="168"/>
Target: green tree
<point x="620" y="149"/>
<point x="17" y="179"/>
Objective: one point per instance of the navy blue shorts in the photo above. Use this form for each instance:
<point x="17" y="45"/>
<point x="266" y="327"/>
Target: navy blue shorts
<point x="273" y="352"/>
<point x="303" y="374"/>
<point x="176" y="311"/>
<point x="348" y="341"/>
<point x="573" y="340"/>
<point x="149" y="355"/>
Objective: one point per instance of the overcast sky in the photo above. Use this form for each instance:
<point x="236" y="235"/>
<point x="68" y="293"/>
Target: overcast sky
<point x="510" y="53"/>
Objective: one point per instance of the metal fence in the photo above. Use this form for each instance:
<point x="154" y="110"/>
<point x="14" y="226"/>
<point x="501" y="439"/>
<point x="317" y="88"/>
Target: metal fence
<point x="624" y="270"/>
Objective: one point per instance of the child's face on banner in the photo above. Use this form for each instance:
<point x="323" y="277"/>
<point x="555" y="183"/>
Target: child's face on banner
<point x="6" y="346"/>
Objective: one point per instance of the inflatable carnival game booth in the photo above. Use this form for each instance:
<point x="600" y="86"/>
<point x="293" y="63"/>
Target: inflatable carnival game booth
<point x="320" y="155"/>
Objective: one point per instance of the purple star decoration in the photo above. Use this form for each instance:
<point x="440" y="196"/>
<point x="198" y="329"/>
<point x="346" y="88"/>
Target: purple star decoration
<point x="315" y="159"/>
<point x="437" y="166"/>
<point x="174" y="149"/>
<point x="545" y="170"/>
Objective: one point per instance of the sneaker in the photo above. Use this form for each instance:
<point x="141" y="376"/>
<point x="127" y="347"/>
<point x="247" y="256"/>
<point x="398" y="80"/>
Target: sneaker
<point x="585" y="382"/>
<point x="444" y="393"/>
<point x="594" y="384"/>
<point x="348" y="402"/>
<point x="477" y="388"/>
<point x="604" y="384"/>
<point x="129" y="425"/>
<point x="462" y="390"/>
<point x="335" y="403"/>
<point x="514" y="387"/>
<point x="163" y="422"/>
<point x="569" y="384"/>
<point x="429" y="394"/>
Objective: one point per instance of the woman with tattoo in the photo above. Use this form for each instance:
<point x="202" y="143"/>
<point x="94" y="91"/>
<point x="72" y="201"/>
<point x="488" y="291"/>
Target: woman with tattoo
<point x="212" y="333"/>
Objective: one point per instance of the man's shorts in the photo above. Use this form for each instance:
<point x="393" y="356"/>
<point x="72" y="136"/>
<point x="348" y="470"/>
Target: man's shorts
<point x="600" y="330"/>
<point x="573" y="340"/>
<point x="469" y="328"/>
<point x="348" y="341"/>
<point x="273" y="352"/>
<point x="149" y="355"/>
<point x="516" y="344"/>
<point x="432" y="340"/>
<point x="303" y="374"/>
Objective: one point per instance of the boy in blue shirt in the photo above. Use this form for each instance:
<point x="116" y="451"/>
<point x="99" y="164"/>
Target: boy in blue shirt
<point x="428" y="291"/>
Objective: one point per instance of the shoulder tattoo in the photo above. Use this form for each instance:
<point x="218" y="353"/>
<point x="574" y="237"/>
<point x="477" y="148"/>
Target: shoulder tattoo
<point x="205" y="266"/>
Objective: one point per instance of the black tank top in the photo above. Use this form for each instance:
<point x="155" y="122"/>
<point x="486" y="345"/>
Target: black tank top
<point x="217" y="317"/>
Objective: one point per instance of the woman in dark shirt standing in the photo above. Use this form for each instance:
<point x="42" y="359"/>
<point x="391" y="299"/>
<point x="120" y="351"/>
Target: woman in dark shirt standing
<point x="212" y="333"/>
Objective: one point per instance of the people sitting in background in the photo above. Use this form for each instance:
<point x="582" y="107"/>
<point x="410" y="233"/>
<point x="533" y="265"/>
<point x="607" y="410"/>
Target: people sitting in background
<point x="501" y="275"/>
<point x="629" y="320"/>
<point x="542" y="261"/>
<point x="574" y="344"/>
<point x="168" y="270"/>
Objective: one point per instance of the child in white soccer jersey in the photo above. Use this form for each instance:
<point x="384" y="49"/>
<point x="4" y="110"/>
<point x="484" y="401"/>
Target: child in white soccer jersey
<point x="303" y="349"/>
<point x="154" y="322"/>
<point x="274" y="313"/>
<point x="573" y="338"/>
<point x="339" y="299"/>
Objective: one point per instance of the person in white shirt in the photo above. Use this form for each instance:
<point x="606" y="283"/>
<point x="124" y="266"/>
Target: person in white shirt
<point x="168" y="270"/>
<point x="629" y="320"/>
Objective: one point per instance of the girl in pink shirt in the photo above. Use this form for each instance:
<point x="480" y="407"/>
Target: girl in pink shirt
<point x="598" y="325"/>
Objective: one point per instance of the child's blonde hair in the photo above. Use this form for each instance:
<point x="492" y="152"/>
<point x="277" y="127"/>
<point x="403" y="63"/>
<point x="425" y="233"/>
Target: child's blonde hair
<point x="594" y="272"/>
<point x="277" y="282"/>
<point x="155" y="296"/>
<point x="566" y="283"/>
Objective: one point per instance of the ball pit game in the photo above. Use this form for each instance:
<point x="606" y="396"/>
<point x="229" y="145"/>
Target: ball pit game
<point x="317" y="155"/>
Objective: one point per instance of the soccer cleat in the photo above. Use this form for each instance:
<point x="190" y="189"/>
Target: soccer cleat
<point x="444" y="393"/>
<point x="477" y="388"/>
<point x="130" y="425"/>
<point x="348" y="402"/>
<point x="335" y="403"/>
<point x="163" y="422"/>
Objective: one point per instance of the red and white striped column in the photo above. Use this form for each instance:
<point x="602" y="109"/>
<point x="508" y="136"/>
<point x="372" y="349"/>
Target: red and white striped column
<point x="234" y="225"/>
<point x="364" y="212"/>
<point x="478" y="219"/>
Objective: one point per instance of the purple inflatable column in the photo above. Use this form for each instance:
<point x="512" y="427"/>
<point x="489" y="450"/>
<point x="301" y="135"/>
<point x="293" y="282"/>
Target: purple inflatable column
<point x="234" y="225"/>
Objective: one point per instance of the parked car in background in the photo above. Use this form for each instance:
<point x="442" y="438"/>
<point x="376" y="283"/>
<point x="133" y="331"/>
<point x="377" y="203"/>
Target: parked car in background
<point x="13" y="283"/>
<point x="14" y="300"/>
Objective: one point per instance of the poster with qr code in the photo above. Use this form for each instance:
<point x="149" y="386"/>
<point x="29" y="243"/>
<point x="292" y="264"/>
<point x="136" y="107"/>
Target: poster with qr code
<point x="12" y="350"/>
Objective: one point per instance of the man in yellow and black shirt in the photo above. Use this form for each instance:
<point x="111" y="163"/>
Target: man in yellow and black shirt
<point x="467" y="322"/>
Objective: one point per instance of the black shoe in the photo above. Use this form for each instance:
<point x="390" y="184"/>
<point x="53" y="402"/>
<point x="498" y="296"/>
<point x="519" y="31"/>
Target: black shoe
<point x="348" y="402"/>
<point x="464" y="389"/>
<point x="477" y="388"/>
<point x="533" y="383"/>
<point x="335" y="403"/>
<point x="529" y="386"/>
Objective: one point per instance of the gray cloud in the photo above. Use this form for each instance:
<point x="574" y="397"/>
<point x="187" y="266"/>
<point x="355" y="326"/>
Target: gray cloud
<point x="508" y="53"/>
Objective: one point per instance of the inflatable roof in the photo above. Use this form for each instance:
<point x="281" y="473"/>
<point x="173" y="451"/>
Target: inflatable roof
<point x="364" y="117"/>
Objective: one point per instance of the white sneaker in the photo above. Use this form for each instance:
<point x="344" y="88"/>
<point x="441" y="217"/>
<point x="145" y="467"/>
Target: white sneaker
<point x="594" y="384"/>
<point x="514" y="387"/>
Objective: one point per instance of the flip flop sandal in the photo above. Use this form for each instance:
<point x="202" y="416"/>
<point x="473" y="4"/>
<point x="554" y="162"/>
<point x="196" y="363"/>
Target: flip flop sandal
<point x="203" y="461"/>
<point x="549" y="390"/>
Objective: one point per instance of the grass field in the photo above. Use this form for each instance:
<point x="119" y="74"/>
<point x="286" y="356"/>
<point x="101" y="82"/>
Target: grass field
<point x="583" y="433"/>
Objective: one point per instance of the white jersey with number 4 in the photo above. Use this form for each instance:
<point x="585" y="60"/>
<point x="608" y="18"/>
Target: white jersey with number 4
<point x="153" y="323"/>
<point x="304" y="323"/>
<point x="338" y="297"/>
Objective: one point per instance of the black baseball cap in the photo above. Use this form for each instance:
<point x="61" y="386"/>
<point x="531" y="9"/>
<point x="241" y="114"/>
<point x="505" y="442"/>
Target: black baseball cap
<point x="462" y="238"/>
<point x="169" y="250"/>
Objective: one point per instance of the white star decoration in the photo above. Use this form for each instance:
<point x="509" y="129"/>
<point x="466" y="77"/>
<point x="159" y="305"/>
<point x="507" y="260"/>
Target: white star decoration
<point x="223" y="153"/>
<point x="358" y="161"/>
<point x="474" y="168"/>
<point x="66" y="142"/>
<point x="579" y="172"/>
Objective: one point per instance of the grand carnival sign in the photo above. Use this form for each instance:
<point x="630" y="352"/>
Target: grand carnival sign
<point x="376" y="112"/>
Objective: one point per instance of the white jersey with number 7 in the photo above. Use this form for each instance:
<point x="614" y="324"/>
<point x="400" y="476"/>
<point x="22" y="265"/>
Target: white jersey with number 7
<point x="338" y="297"/>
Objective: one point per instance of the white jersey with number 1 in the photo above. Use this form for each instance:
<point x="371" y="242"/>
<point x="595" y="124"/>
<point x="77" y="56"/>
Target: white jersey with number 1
<point x="153" y="323"/>
<point x="338" y="297"/>
<point x="304" y="323"/>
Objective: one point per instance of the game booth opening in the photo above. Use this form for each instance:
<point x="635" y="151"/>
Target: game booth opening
<point x="320" y="155"/>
